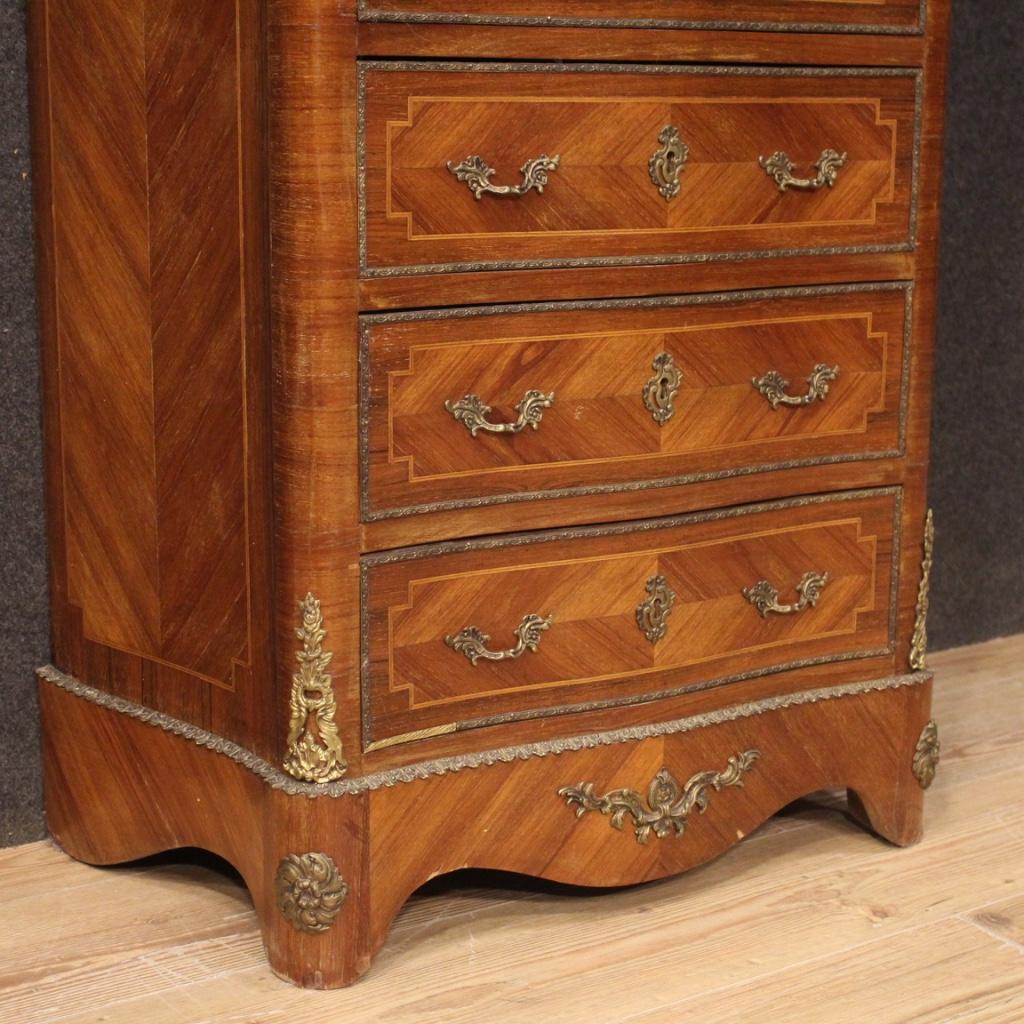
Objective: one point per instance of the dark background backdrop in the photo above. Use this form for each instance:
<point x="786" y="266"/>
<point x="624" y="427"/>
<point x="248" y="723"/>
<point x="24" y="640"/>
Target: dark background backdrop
<point x="977" y="485"/>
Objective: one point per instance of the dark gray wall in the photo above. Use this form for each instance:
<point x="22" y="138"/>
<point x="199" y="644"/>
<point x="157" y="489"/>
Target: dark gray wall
<point x="977" y="482"/>
<point x="23" y="611"/>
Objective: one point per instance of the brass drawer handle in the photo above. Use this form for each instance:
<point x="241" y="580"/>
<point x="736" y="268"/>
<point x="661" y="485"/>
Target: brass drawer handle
<point x="476" y="173"/>
<point x="471" y="411"/>
<point x="780" y="168"/>
<point x="765" y="598"/>
<point x="773" y="386"/>
<point x="666" y="165"/>
<point x="472" y="641"/>
<point x="652" y="615"/>
<point x="669" y="805"/>
<point x="661" y="390"/>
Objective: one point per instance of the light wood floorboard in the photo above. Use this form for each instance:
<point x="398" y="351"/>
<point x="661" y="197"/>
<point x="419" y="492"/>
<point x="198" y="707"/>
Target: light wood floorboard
<point x="809" y="920"/>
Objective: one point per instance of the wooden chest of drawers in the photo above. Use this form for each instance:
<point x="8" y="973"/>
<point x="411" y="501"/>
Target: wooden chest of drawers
<point x="510" y="461"/>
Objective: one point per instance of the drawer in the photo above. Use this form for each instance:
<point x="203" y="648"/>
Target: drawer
<point x="478" y="633"/>
<point x="486" y="166"/>
<point x="873" y="16"/>
<point x="472" y="407"/>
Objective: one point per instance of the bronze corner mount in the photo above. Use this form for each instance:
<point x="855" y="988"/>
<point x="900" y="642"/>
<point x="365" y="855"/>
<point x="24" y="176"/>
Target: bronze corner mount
<point x="314" y="747"/>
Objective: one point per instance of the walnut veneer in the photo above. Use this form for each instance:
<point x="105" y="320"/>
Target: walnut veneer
<point x="517" y="462"/>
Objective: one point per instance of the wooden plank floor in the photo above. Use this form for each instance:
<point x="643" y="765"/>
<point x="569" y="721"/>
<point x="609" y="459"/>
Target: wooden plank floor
<point x="809" y="920"/>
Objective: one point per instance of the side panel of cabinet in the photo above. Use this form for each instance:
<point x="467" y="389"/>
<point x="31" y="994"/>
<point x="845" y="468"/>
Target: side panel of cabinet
<point x="148" y="133"/>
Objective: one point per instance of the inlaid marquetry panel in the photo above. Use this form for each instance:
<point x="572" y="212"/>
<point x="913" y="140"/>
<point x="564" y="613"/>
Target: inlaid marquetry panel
<point x="603" y="124"/>
<point x="880" y="16"/>
<point x="587" y="585"/>
<point x="157" y="357"/>
<point x="600" y="429"/>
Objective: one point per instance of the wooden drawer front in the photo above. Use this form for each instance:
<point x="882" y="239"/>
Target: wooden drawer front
<point x="613" y="422"/>
<point x="877" y="16"/>
<point x="591" y="582"/>
<point x="605" y="125"/>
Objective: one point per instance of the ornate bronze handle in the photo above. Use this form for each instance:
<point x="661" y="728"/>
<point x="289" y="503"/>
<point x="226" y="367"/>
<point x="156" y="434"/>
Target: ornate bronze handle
<point x="765" y="598"/>
<point x="472" y="641"/>
<point x="780" y="168"/>
<point x="471" y="411"/>
<point x="669" y="805"/>
<point x="661" y="390"/>
<point x="652" y="615"/>
<point x="773" y="386"/>
<point x="476" y="173"/>
<point x="667" y="163"/>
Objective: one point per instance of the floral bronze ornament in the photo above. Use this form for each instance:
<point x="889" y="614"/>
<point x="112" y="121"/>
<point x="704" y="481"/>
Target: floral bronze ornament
<point x="666" y="165"/>
<point x="669" y="806"/>
<point x="926" y="755"/>
<point x="919" y="640"/>
<point x="314" y="746"/>
<point x="652" y="615"/>
<point x="310" y="891"/>
<point x="780" y="169"/>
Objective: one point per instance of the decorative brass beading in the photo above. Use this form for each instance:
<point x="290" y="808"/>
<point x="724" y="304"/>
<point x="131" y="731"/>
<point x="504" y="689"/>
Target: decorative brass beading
<point x="368" y="10"/>
<point x="765" y="597"/>
<point x="652" y="615"/>
<point x="472" y="641"/>
<point x="310" y="891"/>
<point x="919" y="639"/>
<point x="423" y="770"/>
<point x="669" y="806"/>
<point x="476" y="173"/>
<point x="471" y="411"/>
<point x="780" y="168"/>
<point x="661" y="390"/>
<point x="314" y="746"/>
<point x="666" y="165"/>
<point x="926" y="755"/>
<point x="773" y="386"/>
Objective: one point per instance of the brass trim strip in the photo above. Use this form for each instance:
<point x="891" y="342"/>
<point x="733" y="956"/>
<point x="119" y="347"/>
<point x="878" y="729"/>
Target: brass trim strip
<point x="639" y="527"/>
<point x="277" y="779"/>
<point x="752" y="71"/>
<point x="366" y="12"/>
<point x="369" y="320"/>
